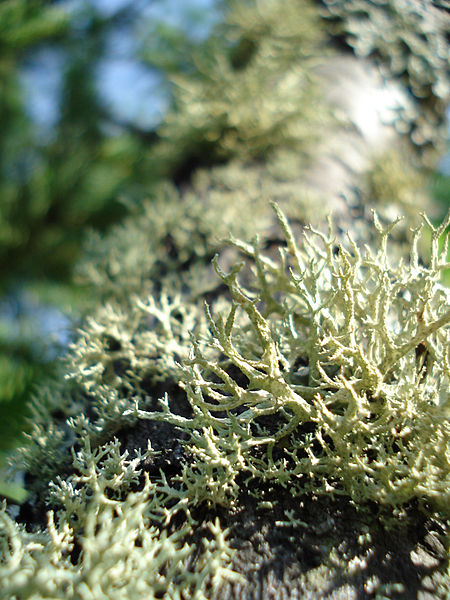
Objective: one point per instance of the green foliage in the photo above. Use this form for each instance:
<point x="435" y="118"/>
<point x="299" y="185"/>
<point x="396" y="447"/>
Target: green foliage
<point x="24" y="358"/>
<point x="50" y="191"/>
<point x="53" y="186"/>
<point x="25" y="22"/>
<point x="440" y="188"/>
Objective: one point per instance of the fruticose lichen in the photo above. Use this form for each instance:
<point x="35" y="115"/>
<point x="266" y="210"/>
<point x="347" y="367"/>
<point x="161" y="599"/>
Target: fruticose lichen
<point x="333" y="364"/>
<point x="107" y="541"/>
<point x="232" y="104"/>
<point x="299" y="363"/>
<point x="326" y="371"/>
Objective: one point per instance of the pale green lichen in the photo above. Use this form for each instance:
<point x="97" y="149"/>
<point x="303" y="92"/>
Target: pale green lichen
<point x="322" y="368"/>
<point x="325" y="372"/>
<point x="392" y="176"/>
<point x="166" y="257"/>
<point x="338" y="340"/>
<point x="107" y="541"/>
<point x="170" y="258"/>
<point x="263" y="62"/>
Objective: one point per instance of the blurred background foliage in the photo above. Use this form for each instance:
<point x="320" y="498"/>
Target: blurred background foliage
<point x="84" y="88"/>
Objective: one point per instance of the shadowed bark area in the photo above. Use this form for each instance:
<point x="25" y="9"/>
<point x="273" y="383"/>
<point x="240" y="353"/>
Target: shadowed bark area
<point x="334" y="550"/>
<point x="330" y="556"/>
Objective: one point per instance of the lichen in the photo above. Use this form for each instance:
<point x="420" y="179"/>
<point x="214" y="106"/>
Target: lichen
<point x="299" y="360"/>
<point x="409" y="41"/>
<point x="106" y="541"/>
<point x="324" y="371"/>
<point x="340" y="378"/>
<point x="260" y="61"/>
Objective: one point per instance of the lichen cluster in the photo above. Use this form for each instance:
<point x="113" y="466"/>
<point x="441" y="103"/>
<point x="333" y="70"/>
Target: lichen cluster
<point x="326" y="371"/>
<point x="255" y="92"/>
<point x="335" y="363"/>
<point x="108" y="541"/>
<point x="232" y="351"/>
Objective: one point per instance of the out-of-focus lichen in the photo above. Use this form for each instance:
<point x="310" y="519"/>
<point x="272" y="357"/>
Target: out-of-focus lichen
<point x="409" y="39"/>
<point x="392" y="176"/>
<point x="255" y="90"/>
<point x="164" y="255"/>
